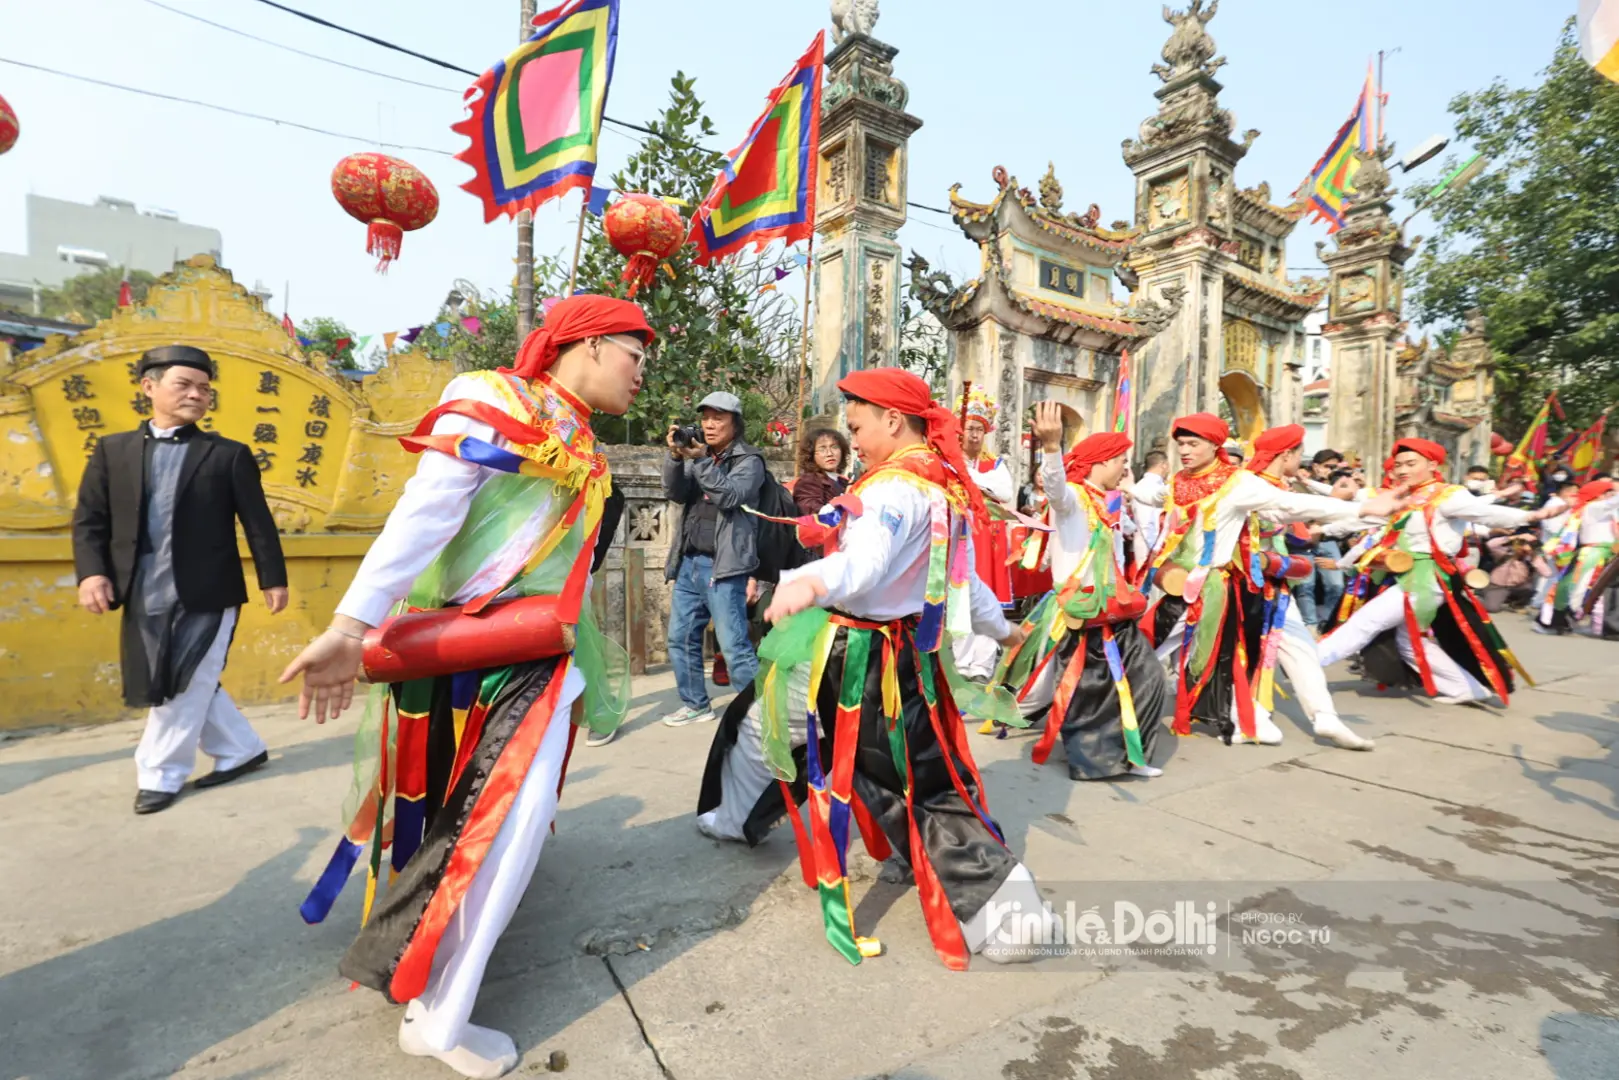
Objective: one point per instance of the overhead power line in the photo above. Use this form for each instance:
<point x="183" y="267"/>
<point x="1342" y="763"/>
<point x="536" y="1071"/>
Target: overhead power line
<point x="300" y="52"/>
<point x="222" y="108"/>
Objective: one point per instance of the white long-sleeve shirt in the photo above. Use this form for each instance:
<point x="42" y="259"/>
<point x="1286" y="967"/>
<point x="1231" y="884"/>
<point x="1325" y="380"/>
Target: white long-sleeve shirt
<point x="1146" y="513"/>
<point x="1249" y="494"/>
<point x="1070" y="524"/>
<point x="1452" y="514"/>
<point x="996" y="483"/>
<point x="1599" y="521"/>
<point x="880" y="570"/>
<point x="429" y="513"/>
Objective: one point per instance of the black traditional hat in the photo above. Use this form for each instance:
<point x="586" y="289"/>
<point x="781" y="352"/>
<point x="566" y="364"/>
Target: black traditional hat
<point x="167" y="356"/>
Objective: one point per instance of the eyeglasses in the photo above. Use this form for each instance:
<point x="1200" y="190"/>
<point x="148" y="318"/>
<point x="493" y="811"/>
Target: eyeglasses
<point x="637" y="351"/>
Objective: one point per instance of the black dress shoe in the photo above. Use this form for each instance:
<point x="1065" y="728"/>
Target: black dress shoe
<point x="225" y="776"/>
<point x="150" y="802"/>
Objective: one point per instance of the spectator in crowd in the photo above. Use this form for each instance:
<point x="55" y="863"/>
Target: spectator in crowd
<point x="1318" y="595"/>
<point x="1323" y="465"/>
<point x="715" y="550"/>
<point x="1154" y="474"/>
<point x="823" y="457"/>
<point x="1478" y="480"/>
<point x="1512" y="581"/>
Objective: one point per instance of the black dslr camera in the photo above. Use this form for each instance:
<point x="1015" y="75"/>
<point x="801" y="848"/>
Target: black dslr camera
<point x="689" y="435"/>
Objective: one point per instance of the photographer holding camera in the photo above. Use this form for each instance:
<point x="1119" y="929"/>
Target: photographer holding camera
<point x="712" y="473"/>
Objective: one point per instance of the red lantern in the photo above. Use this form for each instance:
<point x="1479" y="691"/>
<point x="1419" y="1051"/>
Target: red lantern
<point x="1499" y="446"/>
<point x="391" y="196"/>
<point x="646" y="229"/>
<point x="8" y="126"/>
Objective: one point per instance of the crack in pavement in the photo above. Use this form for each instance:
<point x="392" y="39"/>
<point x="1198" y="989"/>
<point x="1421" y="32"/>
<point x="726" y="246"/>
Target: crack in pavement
<point x="1241" y="836"/>
<point x="1499" y="753"/>
<point x="635" y="1015"/>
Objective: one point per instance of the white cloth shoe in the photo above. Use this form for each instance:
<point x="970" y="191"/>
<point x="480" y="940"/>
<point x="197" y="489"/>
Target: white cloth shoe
<point x="483" y="1053"/>
<point x="1335" y="731"/>
<point x="1460" y="699"/>
<point x="1145" y="770"/>
<point x="708" y="825"/>
<point x="1264" y="727"/>
<point x="688" y="715"/>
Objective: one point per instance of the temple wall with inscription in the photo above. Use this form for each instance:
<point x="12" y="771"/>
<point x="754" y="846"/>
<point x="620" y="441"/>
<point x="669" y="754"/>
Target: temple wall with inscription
<point x="332" y="467"/>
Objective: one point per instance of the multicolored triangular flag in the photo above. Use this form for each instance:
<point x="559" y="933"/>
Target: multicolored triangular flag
<point x="1122" y="399"/>
<point x="1331" y="181"/>
<point x="535" y="118"/>
<point x="1523" y="462"/>
<point x="1585" y="453"/>
<point x="767" y="188"/>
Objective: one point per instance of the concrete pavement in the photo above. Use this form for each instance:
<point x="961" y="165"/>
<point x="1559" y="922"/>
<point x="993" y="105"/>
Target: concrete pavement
<point x="1466" y="875"/>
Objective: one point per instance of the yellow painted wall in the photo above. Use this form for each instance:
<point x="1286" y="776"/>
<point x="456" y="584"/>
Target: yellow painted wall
<point x="329" y="455"/>
<point x="59" y="663"/>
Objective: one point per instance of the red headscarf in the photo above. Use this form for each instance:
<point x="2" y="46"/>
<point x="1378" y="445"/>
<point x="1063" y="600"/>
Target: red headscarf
<point x="891" y="388"/>
<point x="1593" y="491"/>
<point x="1430" y="450"/>
<point x="1273" y="443"/>
<point x="572" y="319"/>
<point x="1205" y="426"/>
<point x="1093" y="450"/>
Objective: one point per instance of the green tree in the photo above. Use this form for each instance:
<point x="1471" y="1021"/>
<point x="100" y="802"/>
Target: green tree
<point x="924" y="348"/>
<point x="324" y="336"/>
<point x="89" y="298"/>
<point x="1533" y="242"/>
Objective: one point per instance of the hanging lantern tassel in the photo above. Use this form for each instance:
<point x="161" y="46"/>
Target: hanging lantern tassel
<point x="639" y="271"/>
<point x="383" y="239"/>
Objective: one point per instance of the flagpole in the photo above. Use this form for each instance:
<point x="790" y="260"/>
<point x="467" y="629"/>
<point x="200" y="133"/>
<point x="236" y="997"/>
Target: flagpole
<point x="803" y="349"/>
<point x="579" y="241"/>
<point x="525" y="218"/>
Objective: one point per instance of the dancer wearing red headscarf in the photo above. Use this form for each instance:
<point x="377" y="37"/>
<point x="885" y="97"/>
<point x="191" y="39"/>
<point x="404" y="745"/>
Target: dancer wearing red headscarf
<point x="1409" y="611"/>
<point x="1285" y="641"/>
<point x="458" y="775"/>
<point x="1578" y="553"/>
<point x="1208" y="605"/>
<point x="857" y="649"/>
<point x="1084" y="653"/>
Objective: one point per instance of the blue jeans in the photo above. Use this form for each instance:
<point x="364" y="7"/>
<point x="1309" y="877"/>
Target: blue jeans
<point x="696" y="599"/>
<point x="1332" y="582"/>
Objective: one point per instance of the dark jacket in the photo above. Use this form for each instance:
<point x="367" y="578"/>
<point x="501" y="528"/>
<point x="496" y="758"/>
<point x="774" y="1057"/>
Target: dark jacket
<point x="813" y="490"/>
<point x="732" y="480"/>
<point x="219" y="484"/>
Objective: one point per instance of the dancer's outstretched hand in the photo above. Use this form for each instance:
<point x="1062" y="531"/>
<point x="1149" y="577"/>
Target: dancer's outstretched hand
<point x="794" y="596"/>
<point x="329" y="665"/>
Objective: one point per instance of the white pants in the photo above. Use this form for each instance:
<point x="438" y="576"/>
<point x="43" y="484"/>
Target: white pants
<point x="498" y="886"/>
<point x="202" y="717"/>
<point x="745" y="776"/>
<point x="1301" y="662"/>
<point x="976" y="655"/>
<point x="1298" y="657"/>
<point x="1037" y="705"/>
<point x="1386" y="611"/>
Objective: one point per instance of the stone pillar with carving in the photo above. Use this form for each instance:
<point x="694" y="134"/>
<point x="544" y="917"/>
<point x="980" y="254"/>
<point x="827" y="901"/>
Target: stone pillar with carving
<point x="860" y="206"/>
<point x="1364" y="315"/>
<point x="1183" y="162"/>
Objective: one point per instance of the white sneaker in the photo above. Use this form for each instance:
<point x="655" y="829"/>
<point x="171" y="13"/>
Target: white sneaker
<point x="687" y="715"/>
<point x="1460" y="699"/>
<point x="596" y="738"/>
<point x="1145" y="770"/>
<point x="1335" y="731"/>
<point x="483" y="1053"/>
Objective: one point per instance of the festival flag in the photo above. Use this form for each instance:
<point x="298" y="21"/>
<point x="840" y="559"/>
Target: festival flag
<point x="535" y="118"/>
<point x="472" y="324"/>
<point x="1523" y="463"/>
<point x="1331" y="181"/>
<point x="125" y="296"/>
<point x="1585" y="452"/>
<point x="1599" y="35"/>
<point x="598" y="200"/>
<point x="341" y="343"/>
<point x="388" y="338"/>
<point x="286" y="324"/>
<point x="767" y="187"/>
<point x="411" y="335"/>
<point x="1122" y="399"/>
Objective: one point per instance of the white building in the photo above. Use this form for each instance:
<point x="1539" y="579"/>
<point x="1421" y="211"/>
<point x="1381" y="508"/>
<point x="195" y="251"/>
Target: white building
<point x="67" y="238"/>
<point x="1317" y="380"/>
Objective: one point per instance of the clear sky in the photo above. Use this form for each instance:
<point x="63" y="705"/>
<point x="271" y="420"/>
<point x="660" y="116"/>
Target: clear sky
<point x="1015" y="84"/>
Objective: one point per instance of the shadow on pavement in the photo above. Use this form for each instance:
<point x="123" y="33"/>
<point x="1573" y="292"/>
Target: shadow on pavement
<point x="16" y="775"/>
